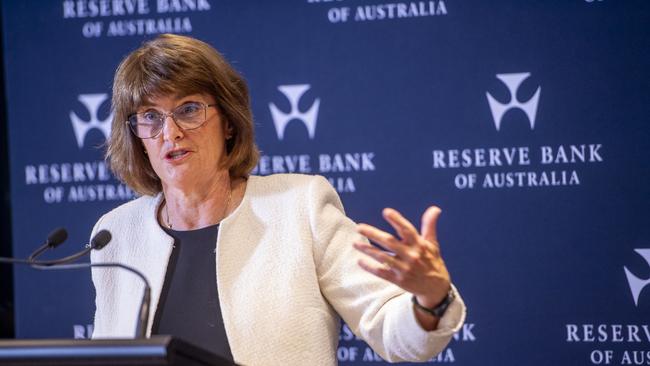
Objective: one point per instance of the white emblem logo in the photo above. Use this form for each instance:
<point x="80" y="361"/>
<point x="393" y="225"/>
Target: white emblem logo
<point x="637" y="284"/>
<point x="281" y="119"/>
<point x="513" y="81"/>
<point x="81" y="127"/>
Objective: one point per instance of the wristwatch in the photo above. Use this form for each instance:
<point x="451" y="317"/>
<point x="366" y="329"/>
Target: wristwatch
<point x="439" y="310"/>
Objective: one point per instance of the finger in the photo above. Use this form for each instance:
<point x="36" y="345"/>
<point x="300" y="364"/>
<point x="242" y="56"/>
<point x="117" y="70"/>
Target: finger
<point x="404" y="228"/>
<point x="379" y="271"/>
<point x="429" y="223"/>
<point x="386" y="240"/>
<point x="381" y="256"/>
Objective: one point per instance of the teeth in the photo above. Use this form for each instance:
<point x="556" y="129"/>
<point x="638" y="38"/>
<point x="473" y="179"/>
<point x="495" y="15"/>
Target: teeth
<point x="175" y="154"/>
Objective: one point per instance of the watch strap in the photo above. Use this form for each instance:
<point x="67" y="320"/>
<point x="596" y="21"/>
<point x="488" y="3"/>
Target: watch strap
<point x="439" y="310"/>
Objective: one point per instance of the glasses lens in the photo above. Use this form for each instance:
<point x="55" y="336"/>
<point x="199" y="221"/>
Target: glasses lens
<point x="190" y="115"/>
<point x="145" y="125"/>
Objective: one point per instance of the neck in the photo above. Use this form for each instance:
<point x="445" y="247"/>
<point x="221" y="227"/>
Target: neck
<point x="201" y="206"/>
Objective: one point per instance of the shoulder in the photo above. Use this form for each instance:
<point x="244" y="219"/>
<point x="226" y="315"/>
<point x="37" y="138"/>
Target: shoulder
<point x="283" y="180"/>
<point x="129" y="212"/>
<point x="132" y="222"/>
<point x="136" y="207"/>
<point x="283" y="191"/>
<point x="290" y="186"/>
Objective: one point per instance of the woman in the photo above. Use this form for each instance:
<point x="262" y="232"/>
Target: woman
<point x="288" y="261"/>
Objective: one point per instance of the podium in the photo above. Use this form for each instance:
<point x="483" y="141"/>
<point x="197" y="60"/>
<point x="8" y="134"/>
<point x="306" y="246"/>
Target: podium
<point x="157" y="351"/>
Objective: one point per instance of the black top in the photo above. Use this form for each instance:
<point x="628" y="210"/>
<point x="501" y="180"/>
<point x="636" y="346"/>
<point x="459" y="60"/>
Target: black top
<point x="189" y="303"/>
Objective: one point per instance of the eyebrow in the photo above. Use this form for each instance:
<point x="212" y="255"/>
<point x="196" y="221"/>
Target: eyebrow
<point x="148" y="104"/>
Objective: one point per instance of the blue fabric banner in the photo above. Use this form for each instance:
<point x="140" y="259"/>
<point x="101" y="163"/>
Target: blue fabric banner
<point x="526" y="122"/>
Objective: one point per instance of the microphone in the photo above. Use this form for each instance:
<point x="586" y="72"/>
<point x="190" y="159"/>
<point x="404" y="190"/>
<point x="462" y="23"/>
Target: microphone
<point x="56" y="238"/>
<point x="98" y="242"/>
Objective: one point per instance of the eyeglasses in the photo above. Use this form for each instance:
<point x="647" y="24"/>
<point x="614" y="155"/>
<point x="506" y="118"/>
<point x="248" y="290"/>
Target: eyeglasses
<point x="187" y="116"/>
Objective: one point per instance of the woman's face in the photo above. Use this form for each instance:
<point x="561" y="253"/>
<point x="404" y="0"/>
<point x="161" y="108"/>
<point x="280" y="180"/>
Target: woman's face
<point x="186" y="158"/>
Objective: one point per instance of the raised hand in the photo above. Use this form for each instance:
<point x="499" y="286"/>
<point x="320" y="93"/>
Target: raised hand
<point x="412" y="260"/>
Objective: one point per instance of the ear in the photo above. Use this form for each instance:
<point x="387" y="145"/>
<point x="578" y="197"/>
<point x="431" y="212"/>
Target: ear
<point x="230" y="142"/>
<point x="229" y="131"/>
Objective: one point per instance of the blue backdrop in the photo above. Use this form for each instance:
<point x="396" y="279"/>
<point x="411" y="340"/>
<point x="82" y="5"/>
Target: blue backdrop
<point x="527" y="122"/>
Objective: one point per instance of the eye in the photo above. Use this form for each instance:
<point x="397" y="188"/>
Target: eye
<point x="188" y="109"/>
<point x="150" y="116"/>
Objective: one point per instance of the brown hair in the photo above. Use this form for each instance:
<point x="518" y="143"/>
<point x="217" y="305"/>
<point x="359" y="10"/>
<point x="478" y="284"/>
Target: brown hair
<point x="177" y="65"/>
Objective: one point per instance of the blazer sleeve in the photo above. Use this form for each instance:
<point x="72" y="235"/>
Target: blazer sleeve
<point x="379" y="312"/>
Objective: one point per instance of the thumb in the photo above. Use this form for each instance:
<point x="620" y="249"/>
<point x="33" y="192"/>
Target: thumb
<point x="429" y="222"/>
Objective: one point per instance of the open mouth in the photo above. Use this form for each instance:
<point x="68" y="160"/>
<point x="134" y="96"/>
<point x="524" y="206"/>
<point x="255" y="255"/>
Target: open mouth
<point x="176" y="154"/>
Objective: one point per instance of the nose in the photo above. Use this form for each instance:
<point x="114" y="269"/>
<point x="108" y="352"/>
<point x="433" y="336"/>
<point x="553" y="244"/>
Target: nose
<point x="170" y="130"/>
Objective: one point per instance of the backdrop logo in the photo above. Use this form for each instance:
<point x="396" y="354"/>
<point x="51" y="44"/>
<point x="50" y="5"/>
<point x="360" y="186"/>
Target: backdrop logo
<point x="308" y="118"/>
<point x="397" y="11"/>
<point x="616" y="343"/>
<point x="512" y="82"/>
<point x="342" y="169"/>
<point x="637" y="284"/>
<point x="124" y="18"/>
<point x="81" y="180"/>
<point x="352" y="349"/>
<point x="92" y="102"/>
<point x="517" y="166"/>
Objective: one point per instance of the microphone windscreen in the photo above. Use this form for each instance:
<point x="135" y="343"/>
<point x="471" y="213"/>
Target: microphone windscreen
<point x="100" y="239"/>
<point x="56" y="237"/>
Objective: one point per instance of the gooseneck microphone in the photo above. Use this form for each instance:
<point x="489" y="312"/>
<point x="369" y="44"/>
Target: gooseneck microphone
<point x="98" y="242"/>
<point x="56" y="238"/>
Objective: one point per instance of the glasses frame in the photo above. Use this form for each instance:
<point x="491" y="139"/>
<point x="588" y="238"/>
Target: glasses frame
<point x="163" y="118"/>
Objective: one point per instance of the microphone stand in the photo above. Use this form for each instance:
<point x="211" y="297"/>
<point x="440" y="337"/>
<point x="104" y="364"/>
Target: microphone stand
<point x="143" y="313"/>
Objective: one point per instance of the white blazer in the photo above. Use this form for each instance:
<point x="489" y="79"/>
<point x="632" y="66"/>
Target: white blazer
<point x="285" y="271"/>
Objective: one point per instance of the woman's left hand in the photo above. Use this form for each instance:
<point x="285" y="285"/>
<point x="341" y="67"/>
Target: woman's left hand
<point x="413" y="262"/>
